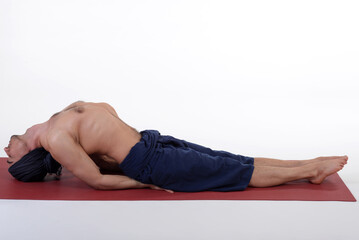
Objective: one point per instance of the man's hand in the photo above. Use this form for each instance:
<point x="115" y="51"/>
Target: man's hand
<point x="158" y="188"/>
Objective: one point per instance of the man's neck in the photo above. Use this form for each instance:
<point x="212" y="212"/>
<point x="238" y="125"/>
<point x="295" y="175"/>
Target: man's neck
<point x="32" y="136"/>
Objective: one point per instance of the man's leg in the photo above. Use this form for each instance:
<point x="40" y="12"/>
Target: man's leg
<point x="202" y="149"/>
<point x="315" y="172"/>
<point x="257" y="161"/>
<point x="291" y="163"/>
<point x="260" y="161"/>
<point x="221" y="153"/>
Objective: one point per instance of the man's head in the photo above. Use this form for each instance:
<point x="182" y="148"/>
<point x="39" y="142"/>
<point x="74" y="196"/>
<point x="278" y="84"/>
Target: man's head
<point x="29" y="166"/>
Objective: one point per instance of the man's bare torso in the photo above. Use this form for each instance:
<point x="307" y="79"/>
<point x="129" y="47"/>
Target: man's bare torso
<point x="99" y="131"/>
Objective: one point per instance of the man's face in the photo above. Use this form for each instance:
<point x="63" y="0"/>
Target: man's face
<point x="15" y="150"/>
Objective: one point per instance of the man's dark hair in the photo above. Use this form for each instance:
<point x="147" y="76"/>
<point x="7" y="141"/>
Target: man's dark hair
<point x="34" y="166"/>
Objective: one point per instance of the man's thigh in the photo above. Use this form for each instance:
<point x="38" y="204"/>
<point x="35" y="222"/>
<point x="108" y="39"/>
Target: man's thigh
<point x="202" y="149"/>
<point x="185" y="169"/>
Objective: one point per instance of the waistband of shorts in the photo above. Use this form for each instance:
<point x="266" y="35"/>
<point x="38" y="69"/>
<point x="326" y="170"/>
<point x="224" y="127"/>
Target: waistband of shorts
<point x="140" y="154"/>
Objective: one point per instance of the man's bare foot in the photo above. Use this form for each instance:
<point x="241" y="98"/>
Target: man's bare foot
<point x="320" y="159"/>
<point x="327" y="167"/>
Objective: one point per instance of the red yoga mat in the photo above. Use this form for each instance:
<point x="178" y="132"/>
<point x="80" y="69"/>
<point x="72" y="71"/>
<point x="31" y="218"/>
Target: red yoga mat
<point x="71" y="188"/>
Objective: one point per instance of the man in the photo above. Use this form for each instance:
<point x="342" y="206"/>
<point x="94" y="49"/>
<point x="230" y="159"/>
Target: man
<point x="86" y="138"/>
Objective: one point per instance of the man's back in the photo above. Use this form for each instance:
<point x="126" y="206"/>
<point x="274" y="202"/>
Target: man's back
<point x="96" y="128"/>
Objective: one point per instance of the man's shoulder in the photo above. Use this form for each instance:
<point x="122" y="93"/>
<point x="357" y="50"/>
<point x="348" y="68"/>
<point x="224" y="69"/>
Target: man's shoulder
<point x="57" y="137"/>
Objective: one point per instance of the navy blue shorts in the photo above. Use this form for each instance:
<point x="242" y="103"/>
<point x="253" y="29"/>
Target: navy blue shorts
<point x="182" y="166"/>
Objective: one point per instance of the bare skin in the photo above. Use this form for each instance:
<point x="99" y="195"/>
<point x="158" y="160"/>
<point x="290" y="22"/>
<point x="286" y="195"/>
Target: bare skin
<point x="82" y="138"/>
<point x="271" y="172"/>
<point x="85" y="137"/>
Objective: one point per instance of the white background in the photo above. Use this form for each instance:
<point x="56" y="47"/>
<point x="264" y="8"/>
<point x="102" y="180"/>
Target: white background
<point x="260" y="78"/>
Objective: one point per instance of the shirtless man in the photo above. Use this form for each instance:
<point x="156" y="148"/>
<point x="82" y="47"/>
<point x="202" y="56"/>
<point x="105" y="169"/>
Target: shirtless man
<point x="86" y="137"/>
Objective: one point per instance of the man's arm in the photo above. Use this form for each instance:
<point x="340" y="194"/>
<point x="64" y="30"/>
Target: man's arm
<point x="72" y="156"/>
